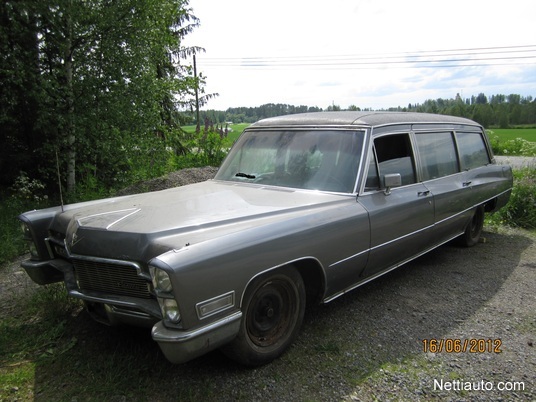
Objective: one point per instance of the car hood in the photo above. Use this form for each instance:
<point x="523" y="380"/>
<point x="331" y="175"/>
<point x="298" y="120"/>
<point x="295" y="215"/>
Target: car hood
<point x="144" y="225"/>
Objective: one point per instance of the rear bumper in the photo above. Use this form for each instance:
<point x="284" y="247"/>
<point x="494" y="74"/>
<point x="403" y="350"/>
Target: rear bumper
<point x="180" y="346"/>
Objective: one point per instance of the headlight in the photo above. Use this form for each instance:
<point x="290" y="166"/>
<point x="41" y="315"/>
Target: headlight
<point x="170" y="310"/>
<point x="27" y="233"/>
<point x="164" y="294"/>
<point x="26" y="230"/>
<point x="161" y="280"/>
<point x="33" y="250"/>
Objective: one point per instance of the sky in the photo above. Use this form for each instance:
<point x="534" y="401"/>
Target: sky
<point x="367" y="53"/>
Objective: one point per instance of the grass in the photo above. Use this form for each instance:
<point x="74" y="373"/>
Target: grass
<point x="232" y="136"/>
<point x="513" y="142"/>
<point x="505" y="134"/>
<point x="32" y="333"/>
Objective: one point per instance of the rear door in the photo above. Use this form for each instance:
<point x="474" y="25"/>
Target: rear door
<point x="482" y="180"/>
<point x="401" y="220"/>
<point x="440" y="172"/>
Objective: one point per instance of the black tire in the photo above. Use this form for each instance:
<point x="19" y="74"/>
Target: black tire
<point x="473" y="230"/>
<point x="273" y="310"/>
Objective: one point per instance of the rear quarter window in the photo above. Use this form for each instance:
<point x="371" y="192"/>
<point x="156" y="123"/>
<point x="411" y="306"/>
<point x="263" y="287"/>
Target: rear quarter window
<point x="472" y="149"/>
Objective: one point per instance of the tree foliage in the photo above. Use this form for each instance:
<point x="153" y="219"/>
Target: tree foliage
<point x="499" y="111"/>
<point x="97" y="82"/>
<point x="252" y="114"/>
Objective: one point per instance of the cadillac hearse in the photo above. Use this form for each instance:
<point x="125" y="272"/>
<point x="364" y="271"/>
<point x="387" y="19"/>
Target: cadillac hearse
<point x="304" y="209"/>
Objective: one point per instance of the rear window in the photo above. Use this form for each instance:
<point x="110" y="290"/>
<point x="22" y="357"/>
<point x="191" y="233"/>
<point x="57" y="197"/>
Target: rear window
<point x="438" y="155"/>
<point x="472" y="148"/>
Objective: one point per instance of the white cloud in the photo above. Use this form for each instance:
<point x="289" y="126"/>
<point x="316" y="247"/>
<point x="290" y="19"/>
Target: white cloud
<point x="287" y="37"/>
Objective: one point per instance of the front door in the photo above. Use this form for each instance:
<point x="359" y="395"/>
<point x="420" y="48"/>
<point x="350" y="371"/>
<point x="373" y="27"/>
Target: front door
<point x="402" y="219"/>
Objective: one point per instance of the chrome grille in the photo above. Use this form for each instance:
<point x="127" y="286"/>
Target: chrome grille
<point x="110" y="278"/>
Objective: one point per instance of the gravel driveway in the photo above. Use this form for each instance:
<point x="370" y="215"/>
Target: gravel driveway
<point x="365" y="346"/>
<point x="516" y="161"/>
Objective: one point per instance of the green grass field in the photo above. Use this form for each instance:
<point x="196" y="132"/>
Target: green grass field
<point x="506" y="134"/>
<point x="234" y="133"/>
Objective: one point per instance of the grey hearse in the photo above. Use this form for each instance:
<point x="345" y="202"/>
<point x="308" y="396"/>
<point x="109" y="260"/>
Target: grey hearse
<point x="304" y="209"/>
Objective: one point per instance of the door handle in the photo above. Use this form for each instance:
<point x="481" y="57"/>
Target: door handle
<point x="423" y="193"/>
<point x="466" y="183"/>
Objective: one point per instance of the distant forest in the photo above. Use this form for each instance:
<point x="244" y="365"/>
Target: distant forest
<point x="502" y="111"/>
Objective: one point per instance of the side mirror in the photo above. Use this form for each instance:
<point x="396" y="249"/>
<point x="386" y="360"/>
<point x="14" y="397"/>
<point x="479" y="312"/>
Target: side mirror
<point x="391" y="180"/>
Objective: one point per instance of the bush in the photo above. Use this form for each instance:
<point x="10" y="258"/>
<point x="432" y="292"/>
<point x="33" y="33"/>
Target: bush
<point x="515" y="147"/>
<point x="521" y="208"/>
<point x="11" y="241"/>
<point x="24" y="195"/>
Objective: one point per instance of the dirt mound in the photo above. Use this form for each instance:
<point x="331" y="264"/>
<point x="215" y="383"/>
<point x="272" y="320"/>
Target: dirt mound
<point x="173" y="179"/>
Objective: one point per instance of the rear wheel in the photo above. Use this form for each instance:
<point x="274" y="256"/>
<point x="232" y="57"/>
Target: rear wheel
<point x="473" y="230"/>
<point x="273" y="309"/>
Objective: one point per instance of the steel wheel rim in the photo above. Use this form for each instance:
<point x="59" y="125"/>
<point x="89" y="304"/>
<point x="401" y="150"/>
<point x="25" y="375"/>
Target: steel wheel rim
<point x="271" y="313"/>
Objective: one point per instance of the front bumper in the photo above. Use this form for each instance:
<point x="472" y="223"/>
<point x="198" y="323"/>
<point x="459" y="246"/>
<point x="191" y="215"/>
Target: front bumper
<point x="180" y="346"/>
<point x="106" y="308"/>
<point x="42" y="272"/>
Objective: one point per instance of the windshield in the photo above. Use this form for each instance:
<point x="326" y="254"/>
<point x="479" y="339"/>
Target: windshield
<point x="325" y="160"/>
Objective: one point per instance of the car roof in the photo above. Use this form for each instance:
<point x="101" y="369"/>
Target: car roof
<point x="348" y="118"/>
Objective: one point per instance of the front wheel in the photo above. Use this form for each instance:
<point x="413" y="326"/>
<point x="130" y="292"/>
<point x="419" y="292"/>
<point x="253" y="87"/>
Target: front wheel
<point x="273" y="308"/>
<point x="473" y="230"/>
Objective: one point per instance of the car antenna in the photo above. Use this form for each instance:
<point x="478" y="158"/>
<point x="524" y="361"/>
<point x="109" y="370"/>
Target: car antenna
<point x="59" y="178"/>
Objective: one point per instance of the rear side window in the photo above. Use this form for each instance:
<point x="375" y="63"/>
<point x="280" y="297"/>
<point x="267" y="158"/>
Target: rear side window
<point x="438" y="155"/>
<point x="473" y="152"/>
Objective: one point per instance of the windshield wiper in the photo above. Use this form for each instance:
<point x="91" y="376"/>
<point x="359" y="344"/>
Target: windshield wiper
<point x="247" y="176"/>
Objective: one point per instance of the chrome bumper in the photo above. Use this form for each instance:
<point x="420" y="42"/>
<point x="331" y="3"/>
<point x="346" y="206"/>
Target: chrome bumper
<point x="105" y="308"/>
<point x="180" y="346"/>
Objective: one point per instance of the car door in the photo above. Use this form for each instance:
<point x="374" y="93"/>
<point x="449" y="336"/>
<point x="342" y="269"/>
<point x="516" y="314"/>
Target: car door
<point x="440" y="173"/>
<point x="401" y="218"/>
<point x="480" y="176"/>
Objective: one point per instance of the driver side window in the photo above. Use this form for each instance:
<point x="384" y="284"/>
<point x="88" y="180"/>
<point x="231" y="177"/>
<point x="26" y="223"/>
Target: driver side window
<point x="393" y="154"/>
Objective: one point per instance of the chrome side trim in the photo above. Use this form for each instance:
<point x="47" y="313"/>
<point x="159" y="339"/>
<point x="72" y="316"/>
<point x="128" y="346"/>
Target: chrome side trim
<point x="349" y="258"/>
<point x="402" y="237"/>
<point x="385" y="271"/>
<point x="471" y="208"/>
<point x="379" y="246"/>
<point x="418" y="231"/>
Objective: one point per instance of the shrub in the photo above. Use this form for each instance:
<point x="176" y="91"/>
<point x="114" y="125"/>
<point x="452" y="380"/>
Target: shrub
<point x="515" y="147"/>
<point x="521" y="208"/>
<point x="24" y="195"/>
